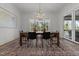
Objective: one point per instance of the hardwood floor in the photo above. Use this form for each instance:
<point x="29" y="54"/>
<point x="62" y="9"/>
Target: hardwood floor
<point x="66" y="48"/>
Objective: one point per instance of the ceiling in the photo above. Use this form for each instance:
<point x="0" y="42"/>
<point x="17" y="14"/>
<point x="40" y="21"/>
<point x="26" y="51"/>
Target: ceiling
<point x="33" y="7"/>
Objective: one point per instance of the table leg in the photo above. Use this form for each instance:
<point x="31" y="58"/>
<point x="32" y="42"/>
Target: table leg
<point x="28" y="42"/>
<point x="58" y="42"/>
<point x="20" y="41"/>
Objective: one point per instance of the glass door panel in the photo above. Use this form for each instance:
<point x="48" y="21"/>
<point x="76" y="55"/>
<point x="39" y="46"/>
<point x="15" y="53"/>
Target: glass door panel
<point x="68" y="26"/>
<point x="77" y="26"/>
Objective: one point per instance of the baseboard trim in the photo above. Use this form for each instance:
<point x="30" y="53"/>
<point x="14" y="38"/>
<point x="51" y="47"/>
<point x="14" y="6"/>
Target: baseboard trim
<point x="71" y="41"/>
<point x="8" y="42"/>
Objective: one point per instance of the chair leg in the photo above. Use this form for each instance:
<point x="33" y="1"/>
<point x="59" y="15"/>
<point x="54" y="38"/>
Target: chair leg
<point x="51" y="41"/>
<point x="46" y="43"/>
<point x="36" y="43"/>
<point x="42" y="43"/>
<point x="47" y="40"/>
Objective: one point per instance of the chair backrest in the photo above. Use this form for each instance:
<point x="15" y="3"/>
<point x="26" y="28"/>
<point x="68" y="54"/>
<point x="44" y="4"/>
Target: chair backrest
<point x="31" y="35"/>
<point x="46" y="35"/>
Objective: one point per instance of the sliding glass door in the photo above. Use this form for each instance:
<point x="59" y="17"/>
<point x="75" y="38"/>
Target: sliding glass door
<point x="68" y="26"/>
<point x="77" y="26"/>
<point x="71" y="26"/>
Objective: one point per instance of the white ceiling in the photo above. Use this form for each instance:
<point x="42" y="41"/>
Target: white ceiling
<point x="33" y="7"/>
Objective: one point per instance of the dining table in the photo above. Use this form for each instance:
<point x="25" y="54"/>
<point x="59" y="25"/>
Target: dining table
<point x="52" y="35"/>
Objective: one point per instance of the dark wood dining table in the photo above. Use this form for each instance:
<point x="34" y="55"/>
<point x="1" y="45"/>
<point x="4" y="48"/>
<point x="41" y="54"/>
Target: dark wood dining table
<point x="22" y="35"/>
<point x="53" y="34"/>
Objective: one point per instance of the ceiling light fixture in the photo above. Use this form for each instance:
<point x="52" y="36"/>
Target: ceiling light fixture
<point x="40" y="15"/>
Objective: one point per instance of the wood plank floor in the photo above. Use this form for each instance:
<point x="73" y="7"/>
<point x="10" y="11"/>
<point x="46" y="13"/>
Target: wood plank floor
<point x="66" y="48"/>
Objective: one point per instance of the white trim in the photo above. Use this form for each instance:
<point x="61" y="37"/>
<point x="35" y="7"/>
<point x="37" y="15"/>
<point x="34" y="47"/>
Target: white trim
<point x="71" y="40"/>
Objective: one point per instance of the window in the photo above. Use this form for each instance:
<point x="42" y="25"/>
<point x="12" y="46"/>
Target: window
<point x="39" y="25"/>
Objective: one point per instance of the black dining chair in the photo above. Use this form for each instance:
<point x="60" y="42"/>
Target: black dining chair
<point x="31" y="37"/>
<point x="46" y="37"/>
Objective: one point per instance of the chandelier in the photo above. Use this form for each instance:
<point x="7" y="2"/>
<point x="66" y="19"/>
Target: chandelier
<point x="40" y="15"/>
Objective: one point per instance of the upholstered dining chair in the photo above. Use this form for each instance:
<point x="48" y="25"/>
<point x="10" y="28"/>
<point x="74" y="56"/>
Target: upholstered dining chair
<point x="46" y="37"/>
<point x="55" y="38"/>
<point x="31" y="38"/>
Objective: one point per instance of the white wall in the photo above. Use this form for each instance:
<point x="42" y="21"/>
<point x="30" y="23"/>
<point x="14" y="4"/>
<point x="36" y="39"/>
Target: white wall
<point x="25" y="25"/>
<point x="9" y="34"/>
<point x="68" y="9"/>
